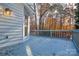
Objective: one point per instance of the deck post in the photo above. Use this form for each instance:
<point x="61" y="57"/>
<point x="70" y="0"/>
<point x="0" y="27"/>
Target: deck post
<point x="28" y="26"/>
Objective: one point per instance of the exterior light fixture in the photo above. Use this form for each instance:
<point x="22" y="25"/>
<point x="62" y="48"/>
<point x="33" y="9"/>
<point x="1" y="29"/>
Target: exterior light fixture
<point x="7" y="12"/>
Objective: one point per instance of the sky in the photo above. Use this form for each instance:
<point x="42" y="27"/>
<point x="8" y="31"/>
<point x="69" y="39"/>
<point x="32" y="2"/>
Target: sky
<point x="39" y="1"/>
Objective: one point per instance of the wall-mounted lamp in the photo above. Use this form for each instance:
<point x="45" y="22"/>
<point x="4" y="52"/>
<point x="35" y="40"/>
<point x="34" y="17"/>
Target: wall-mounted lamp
<point x="7" y="12"/>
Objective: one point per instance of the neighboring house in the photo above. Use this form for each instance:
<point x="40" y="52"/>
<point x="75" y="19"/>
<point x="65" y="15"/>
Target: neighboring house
<point x="11" y="26"/>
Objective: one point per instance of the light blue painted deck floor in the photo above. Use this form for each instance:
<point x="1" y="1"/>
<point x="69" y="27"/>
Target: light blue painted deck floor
<point x="45" y="46"/>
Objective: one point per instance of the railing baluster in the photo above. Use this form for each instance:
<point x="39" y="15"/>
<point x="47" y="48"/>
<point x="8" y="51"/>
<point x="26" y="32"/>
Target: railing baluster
<point x="53" y="33"/>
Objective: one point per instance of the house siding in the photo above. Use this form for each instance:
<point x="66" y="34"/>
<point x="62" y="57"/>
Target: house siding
<point x="11" y="27"/>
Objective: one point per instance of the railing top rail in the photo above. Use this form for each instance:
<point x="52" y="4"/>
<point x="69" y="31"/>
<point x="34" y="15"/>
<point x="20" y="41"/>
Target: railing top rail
<point x="52" y="30"/>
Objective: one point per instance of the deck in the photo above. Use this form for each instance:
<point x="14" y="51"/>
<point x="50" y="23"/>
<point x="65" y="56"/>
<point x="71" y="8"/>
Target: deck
<point x="46" y="46"/>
